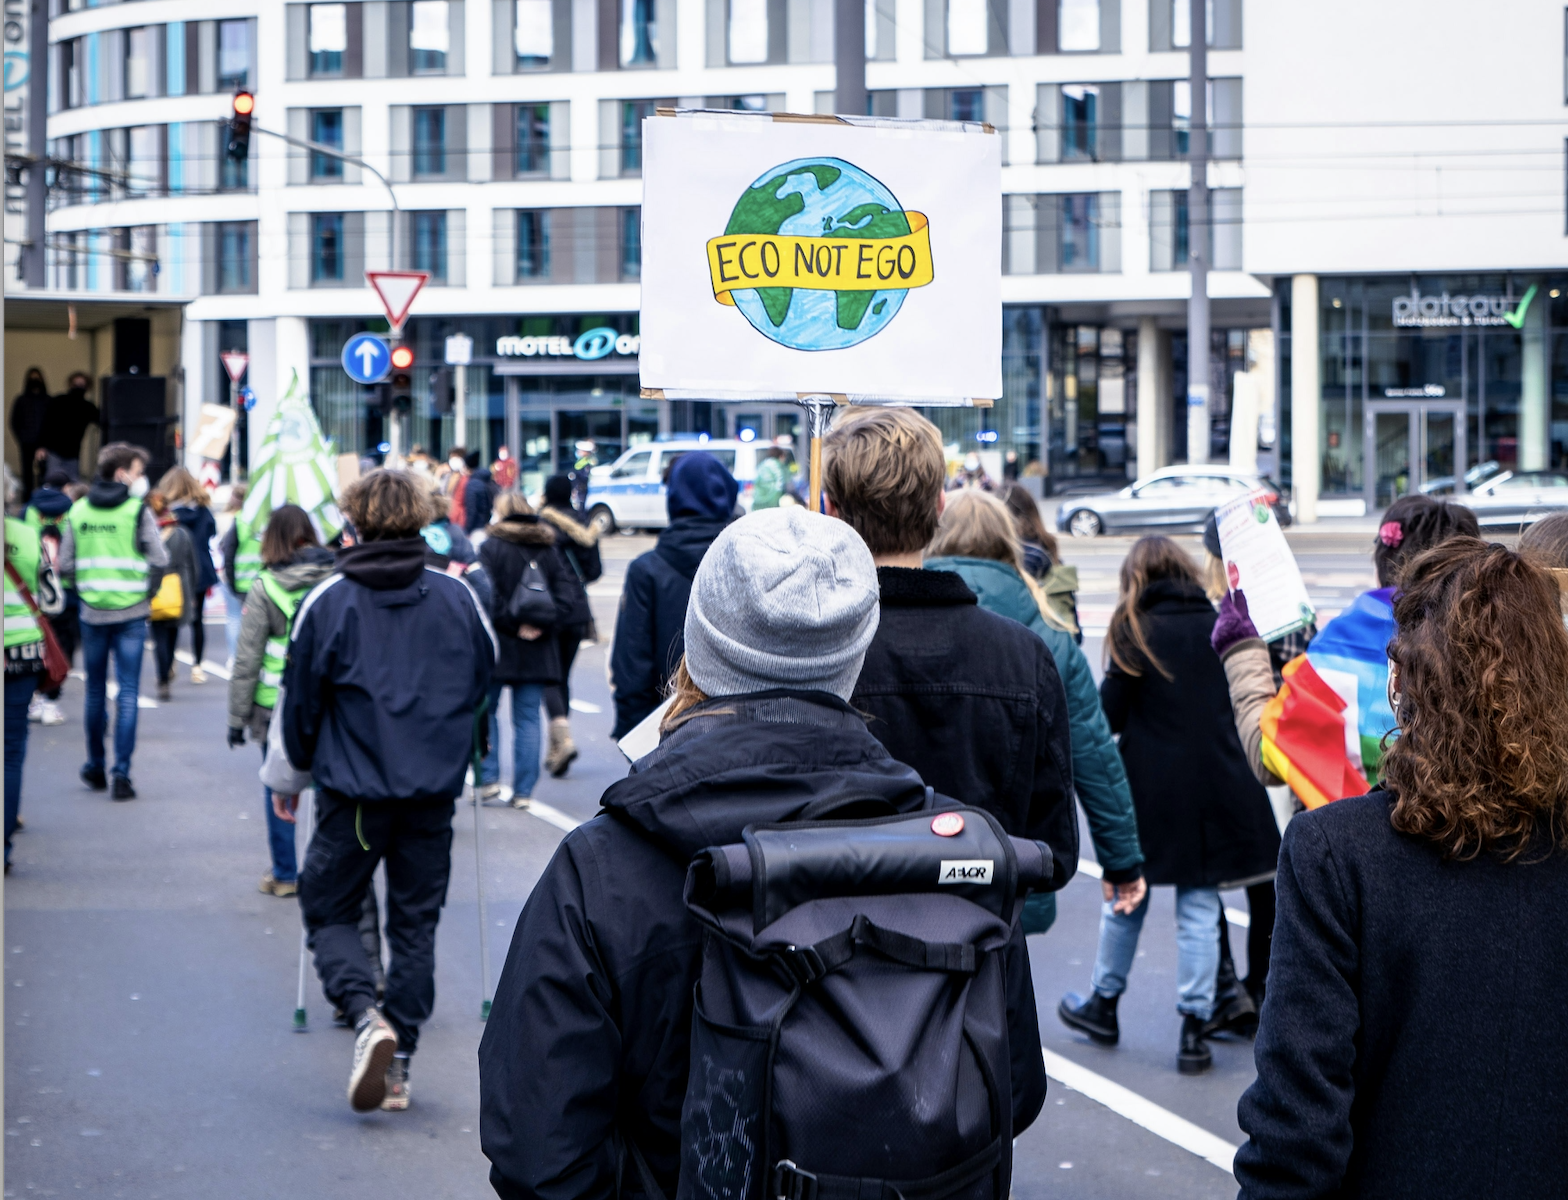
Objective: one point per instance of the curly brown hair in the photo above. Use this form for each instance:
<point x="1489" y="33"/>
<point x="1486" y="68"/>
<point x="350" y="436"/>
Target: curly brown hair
<point x="1480" y="670"/>
<point x="385" y="504"/>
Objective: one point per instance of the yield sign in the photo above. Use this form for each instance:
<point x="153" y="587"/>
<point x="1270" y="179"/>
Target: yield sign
<point x="397" y="290"/>
<point x="235" y="362"/>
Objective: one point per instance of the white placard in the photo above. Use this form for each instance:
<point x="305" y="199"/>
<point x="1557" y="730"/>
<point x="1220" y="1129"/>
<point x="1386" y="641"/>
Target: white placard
<point x="1259" y="564"/>
<point x="854" y="209"/>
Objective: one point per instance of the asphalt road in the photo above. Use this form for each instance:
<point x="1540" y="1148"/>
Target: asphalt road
<point x="149" y="1049"/>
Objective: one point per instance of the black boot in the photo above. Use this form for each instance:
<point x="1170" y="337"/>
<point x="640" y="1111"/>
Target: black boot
<point x="1235" y="1011"/>
<point x="1095" y="1016"/>
<point x="1193" y="1058"/>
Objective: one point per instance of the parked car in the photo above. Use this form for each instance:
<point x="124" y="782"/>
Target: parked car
<point x="1518" y="497"/>
<point x="1171" y="500"/>
<point x="1443" y="485"/>
<point x="629" y="492"/>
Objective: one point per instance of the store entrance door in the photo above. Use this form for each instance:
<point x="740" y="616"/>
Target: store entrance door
<point x="1409" y="443"/>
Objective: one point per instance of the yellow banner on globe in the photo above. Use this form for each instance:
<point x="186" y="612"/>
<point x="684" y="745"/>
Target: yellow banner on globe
<point x="836" y="264"/>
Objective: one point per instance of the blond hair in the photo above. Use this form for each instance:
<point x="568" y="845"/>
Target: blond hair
<point x="884" y="472"/>
<point x="976" y="525"/>
<point x="512" y="504"/>
<point x="181" y="487"/>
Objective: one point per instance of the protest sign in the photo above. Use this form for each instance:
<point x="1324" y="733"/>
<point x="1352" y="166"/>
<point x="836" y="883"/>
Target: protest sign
<point x="213" y="428"/>
<point x="791" y="256"/>
<point x="1259" y="564"/>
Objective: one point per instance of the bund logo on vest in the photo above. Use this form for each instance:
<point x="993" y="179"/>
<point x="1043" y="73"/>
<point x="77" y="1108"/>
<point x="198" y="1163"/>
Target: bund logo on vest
<point x="966" y="870"/>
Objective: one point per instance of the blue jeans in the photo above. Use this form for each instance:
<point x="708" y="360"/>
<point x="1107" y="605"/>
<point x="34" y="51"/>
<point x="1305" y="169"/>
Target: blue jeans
<point x="18" y="691"/>
<point x="280" y="837"/>
<point x="233" y="604"/>
<point x="526" y="698"/>
<point x="1197" y="949"/>
<point x="125" y="640"/>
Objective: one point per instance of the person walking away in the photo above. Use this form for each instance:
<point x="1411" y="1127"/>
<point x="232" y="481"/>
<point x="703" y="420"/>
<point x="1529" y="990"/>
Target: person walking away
<point x="192" y="507"/>
<point x="479" y="495"/>
<point x="578" y="544"/>
<point x="112" y="554"/>
<point x="46" y="512"/>
<point x="68" y="420"/>
<point x="173" y="605"/>
<point x="1546" y="544"/>
<point x="520" y="553"/>
<point x="293" y="562"/>
<point x="976" y="541"/>
<point x="388" y="665"/>
<point x="24" y="648"/>
<point x="239" y="552"/>
<point x="583" y="1066"/>
<point x="455" y="481"/>
<point x="29" y="410"/>
<point x="1042" y="558"/>
<point x="1203" y="820"/>
<point x="445" y="542"/>
<point x="700" y="499"/>
<point x="772" y="480"/>
<point x="1413" y="1044"/>
<point x="971" y="701"/>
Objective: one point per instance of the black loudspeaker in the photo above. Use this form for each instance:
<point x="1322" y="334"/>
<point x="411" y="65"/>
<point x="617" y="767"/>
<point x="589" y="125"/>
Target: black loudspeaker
<point x="132" y="346"/>
<point x="135" y="410"/>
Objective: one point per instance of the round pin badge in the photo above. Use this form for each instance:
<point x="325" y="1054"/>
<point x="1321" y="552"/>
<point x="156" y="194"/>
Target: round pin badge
<point x="948" y="824"/>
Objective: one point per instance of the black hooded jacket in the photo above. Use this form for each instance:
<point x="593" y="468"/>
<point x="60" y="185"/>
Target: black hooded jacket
<point x="590" y="1032"/>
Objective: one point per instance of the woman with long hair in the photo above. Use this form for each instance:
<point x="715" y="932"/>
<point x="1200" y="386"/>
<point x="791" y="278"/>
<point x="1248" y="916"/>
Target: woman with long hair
<point x="192" y="507"/>
<point x="1042" y="558"/>
<point x="977" y="541"/>
<point x="1413" y="1044"/>
<point x="174" y="604"/>
<point x="1204" y="822"/>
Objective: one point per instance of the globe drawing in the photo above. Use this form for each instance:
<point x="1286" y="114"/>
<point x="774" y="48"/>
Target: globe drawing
<point x="818" y="197"/>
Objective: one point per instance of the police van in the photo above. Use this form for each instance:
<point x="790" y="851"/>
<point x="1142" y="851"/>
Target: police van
<point x="629" y="493"/>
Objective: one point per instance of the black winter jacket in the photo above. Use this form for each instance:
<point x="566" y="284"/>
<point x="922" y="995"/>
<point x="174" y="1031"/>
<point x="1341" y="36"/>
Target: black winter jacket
<point x="479" y="495"/>
<point x="578" y="543"/>
<point x="388" y="662"/>
<point x="1412" y="1045"/>
<point x="590" y="1032"/>
<point x="650" y="630"/>
<point x="974" y="703"/>
<point x="513" y="544"/>
<point x="198" y="522"/>
<point x="1203" y="818"/>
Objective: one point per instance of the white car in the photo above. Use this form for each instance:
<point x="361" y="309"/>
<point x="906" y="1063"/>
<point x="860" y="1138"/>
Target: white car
<point x="1517" y="498"/>
<point x="629" y="493"/>
<point x="1175" y="499"/>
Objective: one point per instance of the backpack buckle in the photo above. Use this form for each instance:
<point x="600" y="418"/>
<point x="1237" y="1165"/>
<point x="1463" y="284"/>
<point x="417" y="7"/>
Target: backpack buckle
<point x="806" y="965"/>
<point x="791" y="1183"/>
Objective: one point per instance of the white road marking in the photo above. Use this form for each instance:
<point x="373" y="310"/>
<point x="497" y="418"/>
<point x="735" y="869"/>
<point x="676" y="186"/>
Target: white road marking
<point x="1234" y="915"/>
<point x="1140" y="1111"/>
<point x="216" y="670"/>
<point x="584" y="706"/>
<point x="551" y="815"/>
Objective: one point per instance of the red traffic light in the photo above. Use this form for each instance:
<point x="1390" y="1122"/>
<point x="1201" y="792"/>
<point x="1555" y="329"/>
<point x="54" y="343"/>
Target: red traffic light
<point x="402" y="357"/>
<point x="244" y="104"/>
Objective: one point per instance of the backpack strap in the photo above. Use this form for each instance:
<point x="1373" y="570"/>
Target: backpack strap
<point x="810" y="963"/>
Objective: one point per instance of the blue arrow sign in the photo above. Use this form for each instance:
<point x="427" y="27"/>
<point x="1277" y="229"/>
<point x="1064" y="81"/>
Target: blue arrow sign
<point x="366" y="358"/>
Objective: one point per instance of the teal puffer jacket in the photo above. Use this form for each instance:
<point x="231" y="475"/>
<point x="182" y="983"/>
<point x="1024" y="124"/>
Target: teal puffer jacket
<point x="1098" y="774"/>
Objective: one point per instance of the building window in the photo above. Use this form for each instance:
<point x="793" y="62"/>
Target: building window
<point x="326" y="128"/>
<point x="1170" y="245"/>
<point x="429" y="37"/>
<point x="71" y="77"/>
<point x="639" y="33"/>
<point x="632" y="114"/>
<point x="748" y="33"/>
<point x="533" y="33"/>
<point x="1078" y="26"/>
<point x="144" y="160"/>
<point x="631" y="243"/>
<point x="1080" y="123"/>
<point x="137" y="260"/>
<point x="233" y="55"/>
<point x="236" y="253"/>
<point x="966" y="104"/>
<point x="1170" y="24"/>
<point x="138" y="63"/>
<point x="429" y="244"/>
<point x="328" y="38"/>
<point x="326" y="248"/>
<point x="968" y="27"/>
<point x="429" y="141"/>
<point x="533" y="244"/>
<point x="1078" y="233"/>
<point x="533" y="139"/>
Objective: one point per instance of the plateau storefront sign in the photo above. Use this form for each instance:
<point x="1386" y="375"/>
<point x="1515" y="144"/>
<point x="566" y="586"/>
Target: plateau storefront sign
<point x="1421" y="311"/>
<point x="595" y="343"/>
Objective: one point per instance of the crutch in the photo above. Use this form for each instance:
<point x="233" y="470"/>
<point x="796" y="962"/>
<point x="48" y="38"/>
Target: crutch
<point x="302" y="820"/>
<point x="479" y="861"/>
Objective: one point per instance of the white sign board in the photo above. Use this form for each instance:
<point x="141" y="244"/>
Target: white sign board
<point x="1259" y="564"/>
<point x="787" y="257"/>
<point x="459" y="350"/>
<point x="213" y="428"/>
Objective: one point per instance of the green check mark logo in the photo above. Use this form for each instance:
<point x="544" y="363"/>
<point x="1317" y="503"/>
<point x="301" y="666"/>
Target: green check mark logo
<point x="1516" y="318"/>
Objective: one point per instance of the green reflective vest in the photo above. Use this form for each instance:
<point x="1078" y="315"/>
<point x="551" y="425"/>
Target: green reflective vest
<point x="275" y="656"/>
<point x="22" y="551"/>
<point x="110" y="571"/>
<point x="247" y="556"/>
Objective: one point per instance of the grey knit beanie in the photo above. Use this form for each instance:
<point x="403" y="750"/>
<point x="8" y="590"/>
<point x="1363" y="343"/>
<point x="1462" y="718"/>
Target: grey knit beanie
<point x="784" y="598"/>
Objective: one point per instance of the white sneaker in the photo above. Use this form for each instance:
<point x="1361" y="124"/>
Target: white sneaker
<point x="488" y="792"/>
<point x="51" y="714"/>
<point x="35" y="708"/>
<point x="373" y="1050"/>
<point x="198" y="675"/>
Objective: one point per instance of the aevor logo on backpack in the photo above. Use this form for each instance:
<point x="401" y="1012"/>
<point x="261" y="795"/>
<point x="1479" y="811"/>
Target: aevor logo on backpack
<point x="966" y="870"/>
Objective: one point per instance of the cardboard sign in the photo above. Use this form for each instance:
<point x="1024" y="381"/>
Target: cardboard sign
<point x="1260" y="565"/>
<point x="789" y="256"/>
<point x="212" y="431"/>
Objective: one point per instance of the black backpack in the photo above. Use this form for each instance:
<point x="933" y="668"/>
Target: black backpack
<point x="531" y="602"/>
<point x="849" y="1033"/>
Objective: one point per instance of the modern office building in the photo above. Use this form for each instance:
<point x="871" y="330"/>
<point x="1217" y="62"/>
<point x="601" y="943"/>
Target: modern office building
<point x="1392" y="197"/>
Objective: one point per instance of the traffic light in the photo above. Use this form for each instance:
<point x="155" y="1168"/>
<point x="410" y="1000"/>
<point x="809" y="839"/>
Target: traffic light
<point x="402" y="357"/>
<point x="402" y="397"/>
<point x="239" y="126"/>
<point x="441" y="398"/>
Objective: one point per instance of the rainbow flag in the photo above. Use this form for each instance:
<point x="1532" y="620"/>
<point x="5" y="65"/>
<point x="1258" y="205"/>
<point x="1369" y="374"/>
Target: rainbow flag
<point x="1323" y="732"/>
